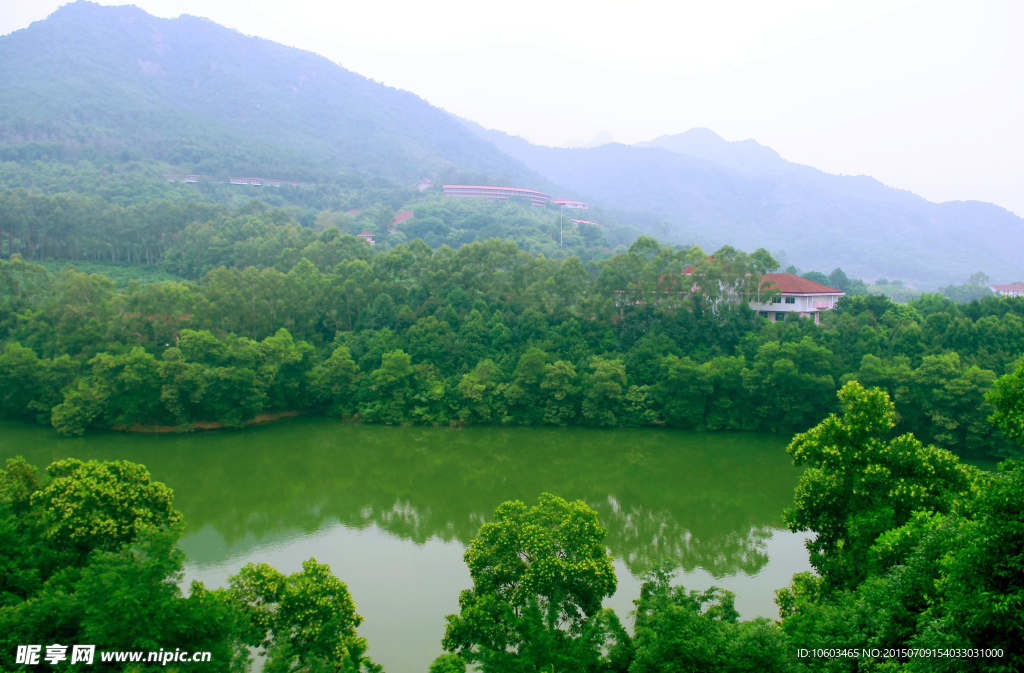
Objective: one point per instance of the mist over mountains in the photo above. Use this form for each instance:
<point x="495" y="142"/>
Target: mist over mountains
<point x="697" y="187"/>
<point x="199" y="97"/>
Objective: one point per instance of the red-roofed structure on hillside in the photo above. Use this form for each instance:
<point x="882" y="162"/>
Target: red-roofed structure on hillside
<point x="191" y="179"/>
<point x="262" y="182"/>
<point x="501" y="193"/>
<point x="1014" y="290"/>
<point x="402" y="216"/>
<point x="368" y="237"/>
<point x="796" y="295"/>
<point x="571" y="205"/>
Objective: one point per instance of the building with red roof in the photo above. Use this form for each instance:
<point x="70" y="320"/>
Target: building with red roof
<point x="796" y="295"/>
<point x="490" y="192"/>
<point x="263" y="182"/>
<point x="571" y="205"/>
<point x="368" y="237"/>
<point x="793" y="294"/>
<point x="402" y="216"/>
<point x="1013" y="290"/>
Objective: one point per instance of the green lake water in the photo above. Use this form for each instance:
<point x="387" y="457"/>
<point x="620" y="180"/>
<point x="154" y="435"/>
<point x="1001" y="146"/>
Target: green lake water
<point x="392" y="509"/>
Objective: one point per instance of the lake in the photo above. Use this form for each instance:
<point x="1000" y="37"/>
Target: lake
<point x="391" y="509"/>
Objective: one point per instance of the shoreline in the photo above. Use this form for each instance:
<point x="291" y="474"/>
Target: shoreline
<point x="259" y="419"/>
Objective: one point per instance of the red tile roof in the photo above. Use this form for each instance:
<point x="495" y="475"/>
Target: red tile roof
<point x="511" y="189"/>
<point x="787" y="283"/>
<point x="1007" y="288"/>
<point x="402" y="217"/>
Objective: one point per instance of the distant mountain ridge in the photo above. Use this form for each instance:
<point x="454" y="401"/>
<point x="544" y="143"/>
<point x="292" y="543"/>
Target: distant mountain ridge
<point x="745" y="155"/>
<point x="186" y="89"/>
<point x="698" y="187"/>
<point x="93" y="80"/>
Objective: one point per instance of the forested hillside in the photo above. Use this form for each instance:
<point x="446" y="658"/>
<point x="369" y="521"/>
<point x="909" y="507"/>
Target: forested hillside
<point x="281" y="318"/>
<point x="97" y="82"/>
<point x="698" y="188"/>
<point x="102" y="101"/>
<point x="189" y="238"/>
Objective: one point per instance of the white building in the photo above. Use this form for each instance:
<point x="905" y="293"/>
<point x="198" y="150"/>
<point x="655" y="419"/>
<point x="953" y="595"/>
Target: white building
<point x="1015" y="290"/>
<point x="796" y="295"/>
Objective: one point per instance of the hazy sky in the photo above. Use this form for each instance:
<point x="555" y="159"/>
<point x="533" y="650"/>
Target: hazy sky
<point x="925" y="96"/>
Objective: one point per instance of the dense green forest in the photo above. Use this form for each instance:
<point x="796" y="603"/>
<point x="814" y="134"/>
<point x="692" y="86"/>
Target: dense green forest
<point x="176" y="232"/>
<point x="274" y="317"/>
<point x="918" y="561"/>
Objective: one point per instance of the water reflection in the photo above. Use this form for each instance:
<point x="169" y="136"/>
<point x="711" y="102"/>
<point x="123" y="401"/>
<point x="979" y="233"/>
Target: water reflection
<point x="357" y="496"/>
<point x="706" y="500"/>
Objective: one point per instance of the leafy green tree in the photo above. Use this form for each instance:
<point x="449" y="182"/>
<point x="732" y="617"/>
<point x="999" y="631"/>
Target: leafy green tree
<point x="945" y="403"/>
<point x="979" y="590"/>
<point x="1007" y="396"/>
<point x="90" y="555"/>
<point x="29" y="386"/>
<point x="483" y="392"/>
<point x="333" y="383"/>
<point x="727" y="404"/>
<point x="447" y="663"/>
<point x="945" y="581"/>
<point x="223" y="384"/>
<point x="562" y="390"/>
<point x="858" y="484"/>
<point x="390" y="389"/>
<point x="283" y="364"/>
<point x="130" y="599"/>
<point x="129" y="386"/>
<point x="430" y="397"/>
<point x="84" y="402"/>
<point x="790" y="384"/>
<point x="678" y="630"/>
<point x="94" y="505"/>
<point x="306" y="621"/>
<point x="525" y="395"/>
<point x="539" y="577"/>
<point x="644" y="361"/>
<point x="683" y="392"/>
<point x="604" y="391"/>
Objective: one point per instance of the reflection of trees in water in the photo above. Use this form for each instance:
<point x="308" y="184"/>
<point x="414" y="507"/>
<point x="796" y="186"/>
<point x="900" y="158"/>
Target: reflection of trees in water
<point x="704" y="499"/>
<point x="647" y="538"/>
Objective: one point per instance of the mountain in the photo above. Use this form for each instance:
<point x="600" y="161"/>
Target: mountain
<point x="115" y="84"/>
<point x="697" y="187"/>
<point x="93" y="79"/>
<point x="746" y="156"/>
